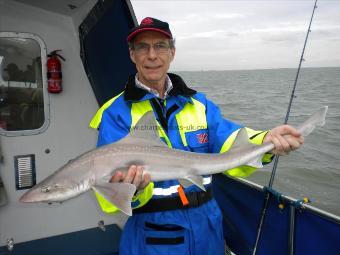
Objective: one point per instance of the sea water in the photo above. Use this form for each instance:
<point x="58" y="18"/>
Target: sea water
<point x="259" y="99"/>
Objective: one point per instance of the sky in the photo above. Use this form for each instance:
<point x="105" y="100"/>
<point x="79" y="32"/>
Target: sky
<point x="240" y="35"/>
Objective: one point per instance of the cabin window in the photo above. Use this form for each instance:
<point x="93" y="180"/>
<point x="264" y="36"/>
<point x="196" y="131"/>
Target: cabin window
<point x="22" y="98"/>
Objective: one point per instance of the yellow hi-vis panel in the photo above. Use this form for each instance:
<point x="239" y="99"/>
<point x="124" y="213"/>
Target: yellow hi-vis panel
<point x="137" y="112"/>
<point x="191" y="118"/>
<point x="244" y="171"/>
<point x="97" y="118"/>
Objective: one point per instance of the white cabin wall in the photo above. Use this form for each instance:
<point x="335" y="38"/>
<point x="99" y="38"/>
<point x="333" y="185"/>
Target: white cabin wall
<point x="82" y="12"/>
<point x="67" y="136"/>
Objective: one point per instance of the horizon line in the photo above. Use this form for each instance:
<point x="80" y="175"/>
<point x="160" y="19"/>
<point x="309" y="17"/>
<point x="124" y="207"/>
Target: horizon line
<point x="222" y="70"/>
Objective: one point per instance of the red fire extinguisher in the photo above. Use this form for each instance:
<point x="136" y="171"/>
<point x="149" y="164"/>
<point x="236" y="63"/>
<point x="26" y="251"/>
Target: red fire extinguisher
<point x="54" y="74"/>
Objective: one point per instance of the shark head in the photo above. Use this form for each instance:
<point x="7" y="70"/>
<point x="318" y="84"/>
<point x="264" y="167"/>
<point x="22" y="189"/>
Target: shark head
<point x="56" y="188"/>
<point x="47" y="192"/>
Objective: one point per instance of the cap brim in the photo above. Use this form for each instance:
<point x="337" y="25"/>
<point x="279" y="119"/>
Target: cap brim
<point x="134" y="33"/>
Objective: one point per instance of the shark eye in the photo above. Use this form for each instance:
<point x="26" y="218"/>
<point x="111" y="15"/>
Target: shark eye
<point x="46" y="189"/>
<point x="49" y="188"/>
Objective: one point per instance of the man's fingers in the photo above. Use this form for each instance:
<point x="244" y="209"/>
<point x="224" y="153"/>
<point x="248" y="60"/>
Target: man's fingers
<point x="117" y="177"/>
<point x="287" y="129"/>
<point x="146" y="180"/>
<point x="285" y="146"/>
<point x="295" y="142"/>
<point x="138" y="176"/>
<point x="284" y="130"/>
<point x="285" y="139"/>
<point x="130" y="174"/>
<point x="134" y="175"/>
<point x="278" y="149"/>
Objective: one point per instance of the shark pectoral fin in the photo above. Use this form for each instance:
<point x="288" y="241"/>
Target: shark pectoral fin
<point x="185" y="183"/>
<point x="119" y="194"/>
<point x="256" y="162"/>
<point x="192" y="179"/>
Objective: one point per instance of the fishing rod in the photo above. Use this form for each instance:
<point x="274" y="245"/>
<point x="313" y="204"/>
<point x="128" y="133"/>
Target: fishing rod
<point x="276" y="160"/>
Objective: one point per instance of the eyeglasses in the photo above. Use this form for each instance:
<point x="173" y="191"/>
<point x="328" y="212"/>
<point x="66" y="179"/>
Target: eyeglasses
<point x="144" y="48"/>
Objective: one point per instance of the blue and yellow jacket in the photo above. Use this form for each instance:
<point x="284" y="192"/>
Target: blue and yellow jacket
<point x="187" y="120"/>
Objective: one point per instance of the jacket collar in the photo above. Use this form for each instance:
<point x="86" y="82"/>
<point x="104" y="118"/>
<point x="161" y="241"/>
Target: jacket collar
<point x="133" y="93"/>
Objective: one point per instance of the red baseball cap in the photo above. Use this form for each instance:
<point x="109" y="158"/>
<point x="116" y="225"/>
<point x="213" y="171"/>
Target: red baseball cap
<point x="150" y="24"/>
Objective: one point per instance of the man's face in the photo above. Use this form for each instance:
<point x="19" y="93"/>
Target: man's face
<point x="152" y="55"/>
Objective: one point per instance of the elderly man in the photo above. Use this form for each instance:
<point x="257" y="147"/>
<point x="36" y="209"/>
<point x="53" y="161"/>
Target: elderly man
<point x="161" y="224"/>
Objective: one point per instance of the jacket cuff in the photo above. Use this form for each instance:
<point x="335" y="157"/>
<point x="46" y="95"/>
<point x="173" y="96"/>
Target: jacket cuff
<point x="143" y="196"/>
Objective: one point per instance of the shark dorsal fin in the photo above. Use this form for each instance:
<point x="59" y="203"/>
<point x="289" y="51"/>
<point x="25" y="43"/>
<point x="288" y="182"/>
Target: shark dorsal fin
<point x="144" y="132"/>
<point x="241" y="140"/>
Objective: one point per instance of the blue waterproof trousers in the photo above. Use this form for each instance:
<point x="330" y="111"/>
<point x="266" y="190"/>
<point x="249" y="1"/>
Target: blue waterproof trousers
<point x="194" y="231"/>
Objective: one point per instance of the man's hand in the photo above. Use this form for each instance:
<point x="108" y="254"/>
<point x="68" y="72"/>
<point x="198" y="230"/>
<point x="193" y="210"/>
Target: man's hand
<point x="285" y="139"/>
<point x="134" y="176"/>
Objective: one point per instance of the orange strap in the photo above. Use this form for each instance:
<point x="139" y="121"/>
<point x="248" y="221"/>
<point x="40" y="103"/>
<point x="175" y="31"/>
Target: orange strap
<point x="182" y="196"/>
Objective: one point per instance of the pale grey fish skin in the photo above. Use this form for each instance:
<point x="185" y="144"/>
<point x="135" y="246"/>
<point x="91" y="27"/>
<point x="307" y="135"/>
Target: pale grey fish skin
<point x="162" y="163"/>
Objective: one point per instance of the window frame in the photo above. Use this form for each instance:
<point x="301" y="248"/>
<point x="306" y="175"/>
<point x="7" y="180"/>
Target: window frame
<point x="43" y="54"/>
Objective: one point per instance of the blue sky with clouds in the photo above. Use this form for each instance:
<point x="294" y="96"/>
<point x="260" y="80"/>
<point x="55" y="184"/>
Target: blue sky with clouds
<point x="229" y="35"/>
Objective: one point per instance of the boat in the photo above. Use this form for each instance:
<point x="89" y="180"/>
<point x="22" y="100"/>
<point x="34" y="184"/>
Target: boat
<point x="44" y="116"/>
